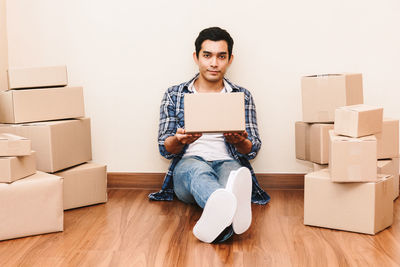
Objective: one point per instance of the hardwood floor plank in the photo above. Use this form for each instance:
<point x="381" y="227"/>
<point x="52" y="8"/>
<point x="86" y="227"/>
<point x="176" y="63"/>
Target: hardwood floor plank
<point x="130" y="230"/>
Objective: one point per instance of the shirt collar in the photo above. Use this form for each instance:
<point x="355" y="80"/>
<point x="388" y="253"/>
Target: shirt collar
<point x="228" y="85"/>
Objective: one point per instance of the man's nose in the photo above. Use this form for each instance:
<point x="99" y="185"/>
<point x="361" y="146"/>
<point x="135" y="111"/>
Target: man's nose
<point x="214" y="61"/>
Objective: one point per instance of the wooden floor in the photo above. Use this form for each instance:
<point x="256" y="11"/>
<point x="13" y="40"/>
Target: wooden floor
<point x="131" y="231"/>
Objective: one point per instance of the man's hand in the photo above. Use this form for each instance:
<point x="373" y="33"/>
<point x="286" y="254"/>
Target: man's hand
<point x="235" y="138"/>
<point x="174" y="144"/>
<point x="240" y="141"/>
<point x="186" y="138"/>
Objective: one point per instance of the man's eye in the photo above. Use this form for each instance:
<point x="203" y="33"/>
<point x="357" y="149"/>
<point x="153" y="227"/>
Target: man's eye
<point x="206" y="55"/>
<point x="222" y="57"/>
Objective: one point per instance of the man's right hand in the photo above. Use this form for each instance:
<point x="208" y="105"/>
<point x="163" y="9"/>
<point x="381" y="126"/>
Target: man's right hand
<point x="174" y="144"/>
<point x="186" y="138"/>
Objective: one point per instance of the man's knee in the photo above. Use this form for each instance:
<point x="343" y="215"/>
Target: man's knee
<point x="184" y="195"/>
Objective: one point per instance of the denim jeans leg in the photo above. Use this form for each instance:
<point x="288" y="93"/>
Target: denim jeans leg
<point x="194" y="180"/>
<point x="223" y="168"/>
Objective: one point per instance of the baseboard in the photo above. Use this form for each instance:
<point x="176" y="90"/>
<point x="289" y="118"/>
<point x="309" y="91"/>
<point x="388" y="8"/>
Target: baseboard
<point x="153" y="181"/>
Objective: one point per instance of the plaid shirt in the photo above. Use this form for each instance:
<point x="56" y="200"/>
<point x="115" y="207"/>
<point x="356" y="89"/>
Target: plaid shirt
<point x="172" y="118"/>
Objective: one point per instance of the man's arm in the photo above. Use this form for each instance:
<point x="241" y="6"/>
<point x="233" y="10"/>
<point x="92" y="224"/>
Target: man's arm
<point x="247" y="143"/>
<point x="168" y="122"/>
<point x="175" y="144"/>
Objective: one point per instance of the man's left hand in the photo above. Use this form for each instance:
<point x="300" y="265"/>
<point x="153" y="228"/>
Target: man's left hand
<point x="236" y="138"/>
<point x="240" y="141"/>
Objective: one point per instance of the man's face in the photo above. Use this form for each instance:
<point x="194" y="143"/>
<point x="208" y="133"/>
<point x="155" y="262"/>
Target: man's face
<point x="213" y="60"/>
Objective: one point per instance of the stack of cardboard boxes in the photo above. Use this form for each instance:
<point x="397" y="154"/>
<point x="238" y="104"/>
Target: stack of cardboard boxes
<point x="356" y="192"/>
<point x="30" y="200"/>
<point x="40" y="107"/>
<point x="322" y="94"/>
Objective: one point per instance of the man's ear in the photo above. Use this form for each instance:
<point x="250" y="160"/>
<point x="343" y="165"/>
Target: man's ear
<point x="231" y="59"/>
<point x="195" y="58"/>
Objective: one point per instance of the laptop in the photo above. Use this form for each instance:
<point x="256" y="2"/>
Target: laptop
<point x="214" y="112"/>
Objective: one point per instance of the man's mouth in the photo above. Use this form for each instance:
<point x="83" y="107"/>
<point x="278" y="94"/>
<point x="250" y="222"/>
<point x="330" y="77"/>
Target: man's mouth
<point x="213" y="71"/>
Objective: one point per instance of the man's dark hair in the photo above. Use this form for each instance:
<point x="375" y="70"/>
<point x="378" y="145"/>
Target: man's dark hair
<point x="213" y="34"/>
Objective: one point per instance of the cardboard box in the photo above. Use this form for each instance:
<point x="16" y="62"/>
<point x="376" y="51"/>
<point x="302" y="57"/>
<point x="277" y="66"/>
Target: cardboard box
<point x="312" y="142"/>
<point x="358" y="120"/>
<point x="318" y="167"/>
<point x="352" y="159"/>
<point x="31" y="206"/>
<point x="322" y="94"/>
<point x="13" y="145"/>
<point x="84" y="185"/>
<point x="15" y="168"/>
<point x="302" y="135"/>
<point x="319" y="143"/>
<point x="388" y="139"/>
<point x="19" y="106"/>
<point x="391" y="167"/>
<point x="214" y="112"/>
<point x="37" y="77"/>
<point x="3" y="46"/>
<point x="357" y="207"/>
<point x="58" y="144"/>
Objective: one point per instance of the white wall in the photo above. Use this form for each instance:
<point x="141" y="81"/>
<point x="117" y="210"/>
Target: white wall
<point x="126" y="53"/>
<point x="3" y="46"/>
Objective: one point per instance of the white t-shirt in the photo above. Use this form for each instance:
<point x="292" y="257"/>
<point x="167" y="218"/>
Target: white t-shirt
<point x="210" y="146"/>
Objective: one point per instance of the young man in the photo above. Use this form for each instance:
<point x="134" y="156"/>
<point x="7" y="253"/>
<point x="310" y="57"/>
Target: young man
<point x="212" y="170"/>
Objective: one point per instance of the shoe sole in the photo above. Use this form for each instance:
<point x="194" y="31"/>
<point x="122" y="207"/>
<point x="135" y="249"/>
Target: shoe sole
<point x="241" y="186"/>
<point x="217" y="215"/>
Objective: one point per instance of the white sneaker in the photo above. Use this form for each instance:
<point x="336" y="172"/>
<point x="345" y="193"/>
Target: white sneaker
<point x="217" y="215"/>
<point x="240" y="184"/>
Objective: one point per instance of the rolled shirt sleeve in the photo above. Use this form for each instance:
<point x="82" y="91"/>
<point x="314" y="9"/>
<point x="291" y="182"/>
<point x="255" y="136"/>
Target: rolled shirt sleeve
<point x="251" y="126"/>
<point x="168" y="122"/>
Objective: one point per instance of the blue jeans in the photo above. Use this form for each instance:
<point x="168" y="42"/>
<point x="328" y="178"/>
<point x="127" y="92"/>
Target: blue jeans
<point x="195" y="179"/>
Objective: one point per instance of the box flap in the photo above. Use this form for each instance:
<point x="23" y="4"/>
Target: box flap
<point x="343" y="138"/>
<point x="11" y="137"/>
<point x="323" y="75"/>
<point x="383" y="163"/>
<point x="360" y="107"/>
